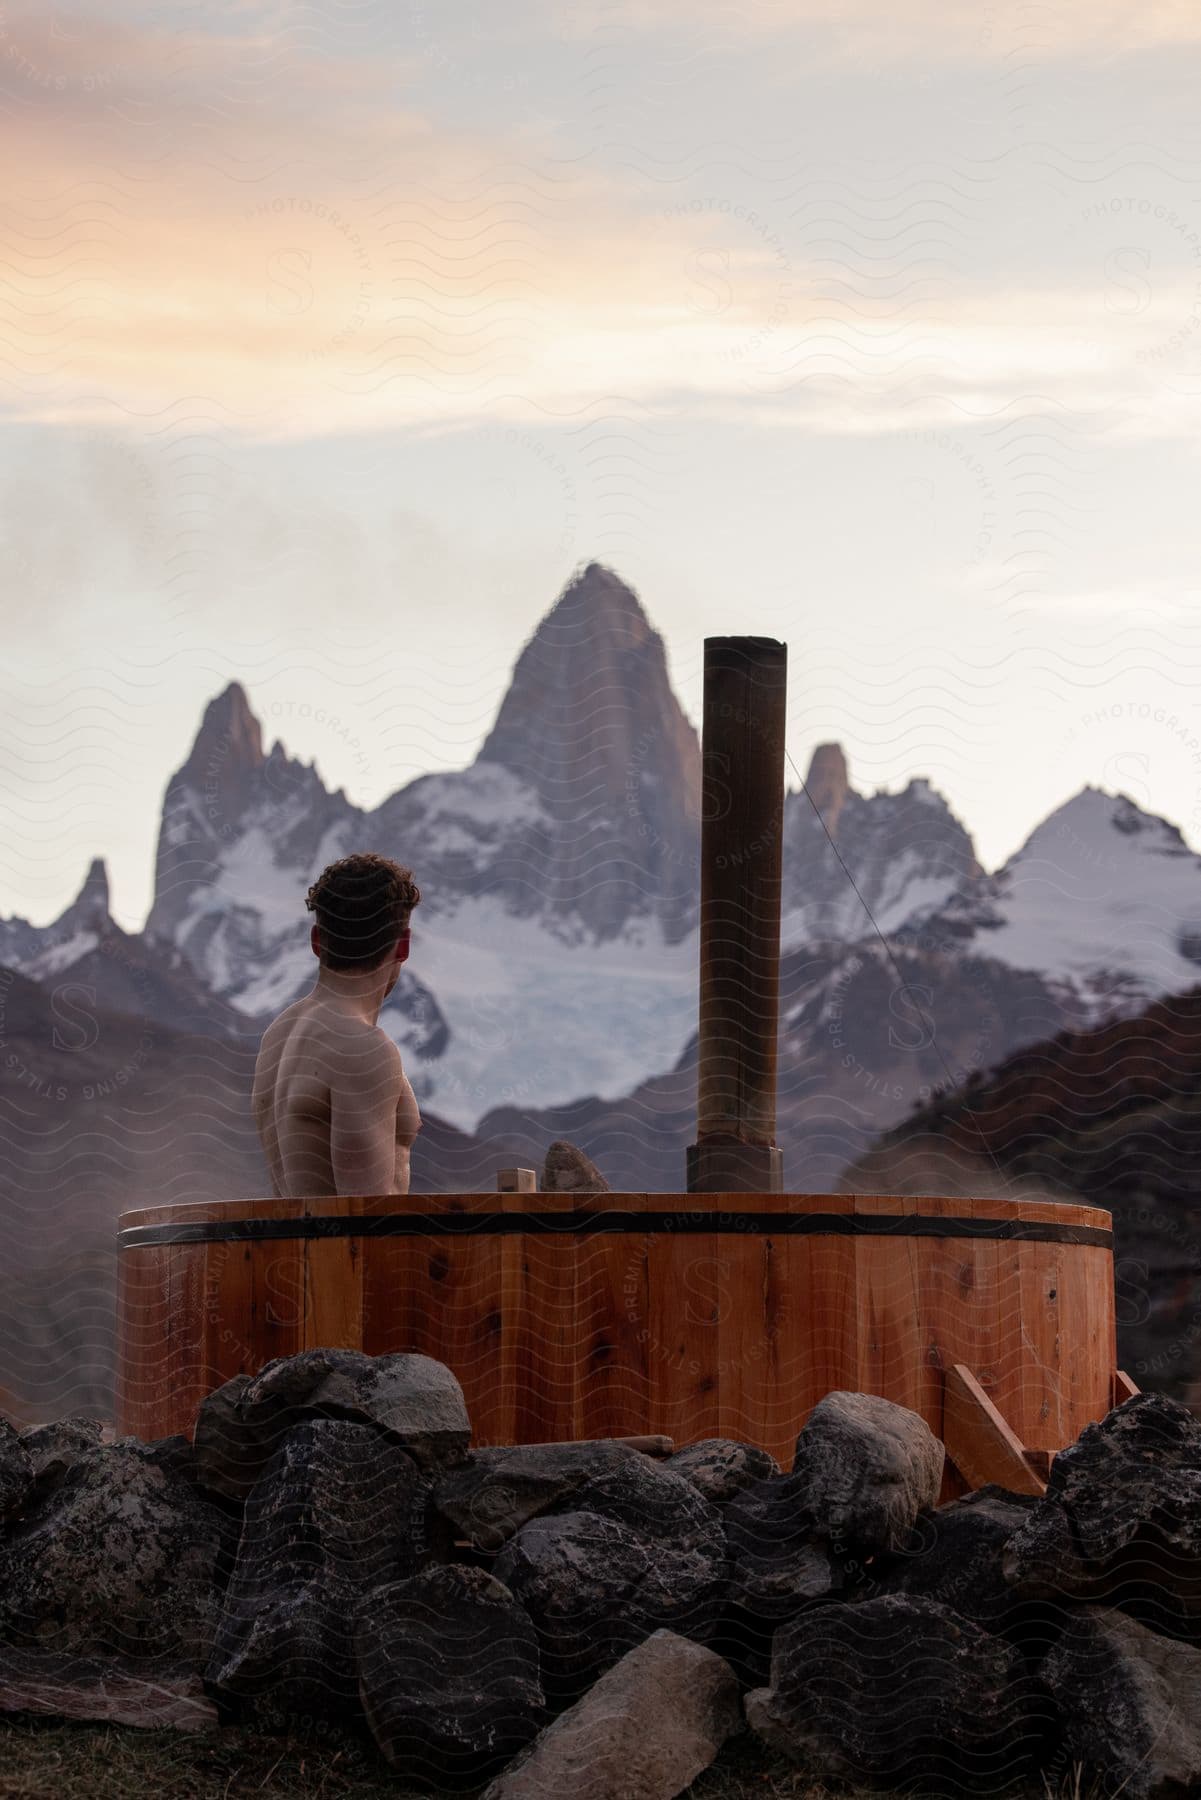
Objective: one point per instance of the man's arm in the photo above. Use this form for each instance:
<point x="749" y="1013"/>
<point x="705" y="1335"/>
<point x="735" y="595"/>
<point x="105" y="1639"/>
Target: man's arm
<point x="261" y="1104"/>
<point x="364" y="1091"/>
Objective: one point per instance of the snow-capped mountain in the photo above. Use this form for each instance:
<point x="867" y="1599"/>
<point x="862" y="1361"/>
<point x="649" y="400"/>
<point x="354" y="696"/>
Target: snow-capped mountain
<point x="74" y="934"/>
<point x="89" y="966"/>
<point x="582" y="808"/>
<point x="1103" y="898"/>
<point x="554" y="951"/>
<point x="851" y="858"/>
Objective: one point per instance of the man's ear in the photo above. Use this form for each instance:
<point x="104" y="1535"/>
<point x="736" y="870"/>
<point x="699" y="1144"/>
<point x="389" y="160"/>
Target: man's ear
<point x="315" y="941"/>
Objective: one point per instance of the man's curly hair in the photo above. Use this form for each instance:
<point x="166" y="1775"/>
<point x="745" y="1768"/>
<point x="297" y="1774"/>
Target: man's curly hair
<point x="362" y="905"/>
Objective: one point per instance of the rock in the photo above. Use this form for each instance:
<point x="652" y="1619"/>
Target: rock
<point x="119" y="1558"/>
<point x="175" y="1455"/>
<point x="595" y="1587"/>
<point x="829" y="783"/>
<point x="776" y="1569"/>
<point x="448" y="1674"/>
<point x="336" y="1512"/>
<point x="643" y="1494"/>
<point x="776" y="1591"/>
<point x="719" y="1468"/>
<point x="645" y="1731"/>
<point x="954" y="1554"/>
<point x="53" y="1448"/>
<point x="771" y="1532"/>
<point x="1120" y="1522"/>
<point x="903" y="1694"/>
<point x="50" y="1684"/>
<point x="568" y="1171"/>
<point x="870" y="1466"/>
<point x="16" y="1469"/>
<point x="414" y="1400"/>
<point x="1130" y="1703"/>
<point x="496" y="1491"/>
<point x="229" y="1456"/>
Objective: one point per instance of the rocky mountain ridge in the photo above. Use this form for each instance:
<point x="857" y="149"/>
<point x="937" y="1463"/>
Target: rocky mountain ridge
<point x="555" y="949"/>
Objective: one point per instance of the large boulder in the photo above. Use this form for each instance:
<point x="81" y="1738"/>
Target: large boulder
<point x="413" y="1400"/>
<point x="493" y="1494"/>
<point x="900" y="1693"/>
<point x="568" y="1171"/>
<point x="16" y="1469"/>
<point x="120" y="1557"/>
<point x="1130" y="1704"/>
<point x="869" y="1467"/>
<point x="645" y="1731"/>
<point x="1120" y="1522"/>
<point x="638" y="1550"/>
<point x="719" y="1468"/>
<point x="337" y="1511"/>
<point x="448" y="1674"/>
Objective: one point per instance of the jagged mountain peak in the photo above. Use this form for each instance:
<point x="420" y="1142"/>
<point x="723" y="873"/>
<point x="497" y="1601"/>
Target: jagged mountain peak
<point x="93" y="896"/>
<point x="233" y="813"/>
<point x="89" y="911"/>
<point x="590" y="716"/>
<point x="856" y="862"/>
<point x="828" y="782"/>
<point x="229" y="743"/>
<point x="597" y="599"/>
<point x="222" y="768"/>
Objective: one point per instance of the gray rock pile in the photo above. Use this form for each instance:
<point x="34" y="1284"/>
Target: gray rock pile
<point x="586" y="1619"/>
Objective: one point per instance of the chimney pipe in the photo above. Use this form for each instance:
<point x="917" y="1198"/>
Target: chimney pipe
<point x="742" y="824"/>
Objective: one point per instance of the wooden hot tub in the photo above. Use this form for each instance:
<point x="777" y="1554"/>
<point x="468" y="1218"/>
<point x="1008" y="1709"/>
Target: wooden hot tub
<point x="695" y="1315"/>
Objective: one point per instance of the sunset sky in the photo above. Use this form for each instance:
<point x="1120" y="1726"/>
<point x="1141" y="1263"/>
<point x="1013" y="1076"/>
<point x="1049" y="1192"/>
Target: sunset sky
<point x="335" y="335"/>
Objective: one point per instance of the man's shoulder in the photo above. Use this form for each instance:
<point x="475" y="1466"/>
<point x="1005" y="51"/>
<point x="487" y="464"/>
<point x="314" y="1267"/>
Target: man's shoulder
<point x="363" y="1070"/>
<point x="283" y="1024"/>
<point x="379" y="1045"/>
<point x="325" y="1024"/>
<point x="355" y="1043"/>
<point x="341" y="1049"/>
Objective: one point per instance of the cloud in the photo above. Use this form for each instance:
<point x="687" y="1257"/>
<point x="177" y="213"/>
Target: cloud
<point x="177" y="245"/>
<point x="854" y="30"/>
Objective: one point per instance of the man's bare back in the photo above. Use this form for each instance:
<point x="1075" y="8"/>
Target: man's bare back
<point x="334" y="1109"/>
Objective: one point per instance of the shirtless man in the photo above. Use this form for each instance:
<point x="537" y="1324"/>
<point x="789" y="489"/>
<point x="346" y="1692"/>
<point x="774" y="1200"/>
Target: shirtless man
<point x="334" y="1108"/>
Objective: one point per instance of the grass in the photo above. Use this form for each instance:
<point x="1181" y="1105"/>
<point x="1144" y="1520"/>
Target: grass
<point x="47" y="1760"/>
<point x="53" y="1761"/>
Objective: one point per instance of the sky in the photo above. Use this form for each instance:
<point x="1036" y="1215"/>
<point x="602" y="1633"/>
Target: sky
<point x="332" y="339"/>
